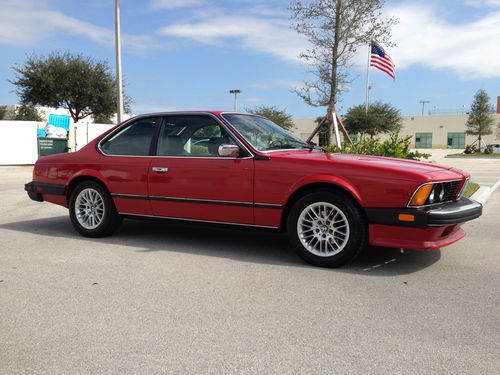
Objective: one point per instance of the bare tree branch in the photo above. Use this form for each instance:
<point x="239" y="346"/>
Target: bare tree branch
<point x="336" y="30"/>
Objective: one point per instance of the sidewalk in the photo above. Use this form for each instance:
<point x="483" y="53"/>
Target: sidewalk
<point x="484" y="172"/>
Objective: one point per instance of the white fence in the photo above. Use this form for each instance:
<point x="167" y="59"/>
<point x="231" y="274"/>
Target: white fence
<point x="18" y="140"/>
<point x="85" y="132"/>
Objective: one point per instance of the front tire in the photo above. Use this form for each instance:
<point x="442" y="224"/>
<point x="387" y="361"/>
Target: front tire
<point x="327" y="228"/>
<point x="92" y="211"/>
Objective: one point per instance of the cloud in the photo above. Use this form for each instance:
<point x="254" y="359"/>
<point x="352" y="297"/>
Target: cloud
<point x="176" y="4"/>
<point x="266" y="35"/>
<point x="424" y="38"/>
<point x="27" y="23"/>
<point x="483" y="3"/>
<point x="275" y="83"/>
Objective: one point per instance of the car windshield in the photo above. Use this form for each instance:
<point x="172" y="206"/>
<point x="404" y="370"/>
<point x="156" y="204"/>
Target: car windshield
<point x="262" y="134"/>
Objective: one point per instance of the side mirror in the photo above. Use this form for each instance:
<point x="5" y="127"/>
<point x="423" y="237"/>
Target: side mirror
<point x="229" y="151"/>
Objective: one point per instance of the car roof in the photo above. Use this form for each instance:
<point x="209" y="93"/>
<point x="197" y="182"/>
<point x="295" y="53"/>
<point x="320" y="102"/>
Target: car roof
<point x="213" y="112"/>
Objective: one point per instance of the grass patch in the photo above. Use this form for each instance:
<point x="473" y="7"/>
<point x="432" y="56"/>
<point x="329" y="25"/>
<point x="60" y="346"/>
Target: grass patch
<point x="470" y="189"/>
<point x="475" y="155"/>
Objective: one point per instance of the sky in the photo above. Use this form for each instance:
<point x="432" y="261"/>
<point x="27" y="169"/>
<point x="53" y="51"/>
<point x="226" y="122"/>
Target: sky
<point x="188" y="54"/>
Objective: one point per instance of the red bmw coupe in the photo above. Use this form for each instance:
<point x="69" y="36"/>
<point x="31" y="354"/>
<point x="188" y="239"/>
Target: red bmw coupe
<point x="242" y="169"/>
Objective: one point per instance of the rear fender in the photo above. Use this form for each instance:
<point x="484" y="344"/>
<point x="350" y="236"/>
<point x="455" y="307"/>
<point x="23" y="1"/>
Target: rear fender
<point x="80" y="175"/>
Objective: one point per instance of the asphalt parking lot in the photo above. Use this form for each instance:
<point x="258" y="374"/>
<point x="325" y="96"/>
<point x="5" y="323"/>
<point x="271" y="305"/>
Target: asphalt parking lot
<point x="184" y="298"/>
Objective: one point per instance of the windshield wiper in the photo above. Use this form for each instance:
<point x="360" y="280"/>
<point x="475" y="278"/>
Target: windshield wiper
<point x="282" y="146"/>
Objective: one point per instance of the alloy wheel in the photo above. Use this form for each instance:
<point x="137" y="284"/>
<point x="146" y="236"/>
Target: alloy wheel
<point x="323" y="229"/>
<point x="89" y="208"/>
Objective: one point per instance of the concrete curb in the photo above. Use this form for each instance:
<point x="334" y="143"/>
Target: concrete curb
<point x="472" y="157"/>
<point x="484" y="193"/>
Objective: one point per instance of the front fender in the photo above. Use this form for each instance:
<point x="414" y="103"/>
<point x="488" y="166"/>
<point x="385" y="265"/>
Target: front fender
<point x="327" y="179"/>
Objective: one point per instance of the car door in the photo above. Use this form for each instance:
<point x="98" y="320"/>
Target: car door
<point x="125" y="164"/>
<point x="189" y="180"/>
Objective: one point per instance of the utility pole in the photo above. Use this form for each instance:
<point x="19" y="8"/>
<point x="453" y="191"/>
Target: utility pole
<point x="423" y="102"/>
<point x="235" y="92"/>
<point x="119" y="112"/>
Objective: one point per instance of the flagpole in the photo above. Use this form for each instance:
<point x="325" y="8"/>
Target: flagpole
<point x="367" y="77"/>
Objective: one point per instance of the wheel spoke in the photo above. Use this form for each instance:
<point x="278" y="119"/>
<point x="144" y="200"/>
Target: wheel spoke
<point x="89" y="208"/>
<point x="323" y="229"/>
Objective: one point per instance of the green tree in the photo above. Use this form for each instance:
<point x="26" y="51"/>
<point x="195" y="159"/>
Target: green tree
<point x="103" y="119"/>
<point x="336" y="29"/>
<point x="3" y="111"/>
<point x="83" y="86"/>
<point x="278" y="116"/>
<point x="396" y="146"/>
<point x="381" y="118"/>
<point x="28" y="113"/>
<point x="7" y="113"/>
<point x="480" y="118"/>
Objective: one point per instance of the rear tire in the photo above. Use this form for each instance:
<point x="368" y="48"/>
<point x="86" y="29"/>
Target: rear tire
<point x="327" y="228"/>
<point x="92" y="211"/>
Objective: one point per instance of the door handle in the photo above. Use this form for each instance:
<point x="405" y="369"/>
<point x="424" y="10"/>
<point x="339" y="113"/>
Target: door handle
<point x="159" y="169"/>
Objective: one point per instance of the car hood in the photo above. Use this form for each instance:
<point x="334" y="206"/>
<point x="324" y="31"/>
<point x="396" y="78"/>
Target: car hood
<point x="396" y="168"/>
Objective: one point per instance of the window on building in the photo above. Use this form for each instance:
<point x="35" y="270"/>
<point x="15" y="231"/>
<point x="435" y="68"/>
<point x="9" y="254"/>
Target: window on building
<point x="456" y="140"/>
<point x="323" y="138"/>
<point x="423" y="140"/>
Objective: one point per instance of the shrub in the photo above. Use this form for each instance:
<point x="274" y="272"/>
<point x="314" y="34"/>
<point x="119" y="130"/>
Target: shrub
<point x="396" y="147"/>
<point x="470" y="149"/>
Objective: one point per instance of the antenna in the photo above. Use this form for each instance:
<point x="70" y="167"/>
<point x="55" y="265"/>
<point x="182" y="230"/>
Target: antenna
<point x="423" y="102"/>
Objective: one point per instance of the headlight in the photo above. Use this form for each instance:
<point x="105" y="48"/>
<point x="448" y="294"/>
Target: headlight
<point x="432" y="196"/>
<point x="433" y="193"/>
<point x="441" y="194"/>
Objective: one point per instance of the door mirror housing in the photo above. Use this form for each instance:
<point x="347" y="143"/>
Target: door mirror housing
<point x="227" y="151"/>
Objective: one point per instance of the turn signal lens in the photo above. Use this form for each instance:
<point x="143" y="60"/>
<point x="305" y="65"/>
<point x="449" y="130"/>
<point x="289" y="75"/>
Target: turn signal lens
<point x="421" y="195"/>
<point x="406" y="217"/>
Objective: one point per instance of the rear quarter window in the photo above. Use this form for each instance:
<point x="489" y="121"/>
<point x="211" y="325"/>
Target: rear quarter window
<point x="134" y="139"/>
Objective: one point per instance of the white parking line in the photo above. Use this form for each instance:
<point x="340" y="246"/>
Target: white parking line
<point x="379" y="265"/>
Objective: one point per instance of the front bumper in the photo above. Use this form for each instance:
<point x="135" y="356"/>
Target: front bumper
<point x="432" y="227"/>
<point x="443" y="215"/>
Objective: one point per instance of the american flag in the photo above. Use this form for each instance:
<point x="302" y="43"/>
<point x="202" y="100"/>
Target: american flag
<point x="381" y="60"/>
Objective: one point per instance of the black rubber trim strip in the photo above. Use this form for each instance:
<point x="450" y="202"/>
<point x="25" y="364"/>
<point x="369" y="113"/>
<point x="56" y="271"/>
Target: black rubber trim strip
<point x="129" y="196"/>
<point x="261" y="157"/>
<point x="33" y="189"/>
<point x="268" y="205"/>
<point x="202" y="201"/>
<point x="443" y="215"/>
<point x="206" y="201"/>
<point x="389" y="216"/>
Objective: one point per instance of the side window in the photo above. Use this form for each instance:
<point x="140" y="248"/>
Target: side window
<point x="193" y="136"/>
<point x="134" y="139"/>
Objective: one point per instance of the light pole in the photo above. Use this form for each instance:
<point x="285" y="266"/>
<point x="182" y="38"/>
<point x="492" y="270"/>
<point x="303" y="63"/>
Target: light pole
<point x="423" y="102"/>
<point x="119" y="112"/>
<point x="367" y="104"/>
<point x="235" y="92"/>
